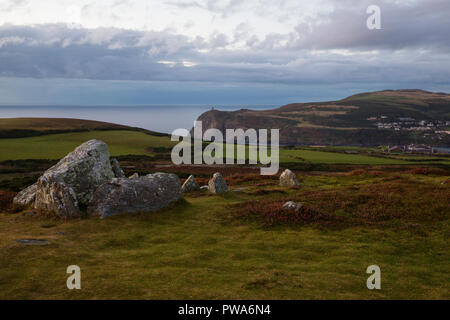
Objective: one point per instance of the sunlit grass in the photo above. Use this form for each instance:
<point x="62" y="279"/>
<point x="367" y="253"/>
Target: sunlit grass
<point x="56" y="146"/>
<point x="122" y="142"/>
<point x="194" y="251"/>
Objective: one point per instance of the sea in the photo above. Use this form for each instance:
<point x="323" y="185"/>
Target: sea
<point x="160" y="118"/>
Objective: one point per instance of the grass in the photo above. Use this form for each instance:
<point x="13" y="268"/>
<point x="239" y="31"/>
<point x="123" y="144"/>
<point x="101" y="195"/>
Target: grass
<point x="46" y="124"/>
<point x="334" y="158"/>
<point x="56" y="146"/>
<point x="199" y="249"/>
<point x="123" y="142"/>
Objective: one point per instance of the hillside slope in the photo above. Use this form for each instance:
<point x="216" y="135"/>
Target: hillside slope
<point x="355" y="120"/>
<point x="31" y="127"/>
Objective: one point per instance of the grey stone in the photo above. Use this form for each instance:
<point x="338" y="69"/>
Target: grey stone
<point x="291" y="205"/>
<point x="29" y="213"/>
<point x="117" y="170"/>
<point x="26" y="197"/>
<point x="72" y="181"/>
<point x="288" y="179"/>
<point x="217" y="184"/>
<point x="144" y="194"/>
<point x="33" y="241"/>
<point x="190" y="185"/>
<point x="58" y="198"/>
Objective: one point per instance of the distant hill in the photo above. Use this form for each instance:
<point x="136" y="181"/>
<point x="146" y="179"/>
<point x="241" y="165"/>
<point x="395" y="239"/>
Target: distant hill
<point x="351" y="121"/>
<point x="30" y="127"/>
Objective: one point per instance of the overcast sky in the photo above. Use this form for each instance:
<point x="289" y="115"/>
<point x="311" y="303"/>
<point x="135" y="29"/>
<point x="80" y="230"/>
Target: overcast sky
<point x="221" y="52"/>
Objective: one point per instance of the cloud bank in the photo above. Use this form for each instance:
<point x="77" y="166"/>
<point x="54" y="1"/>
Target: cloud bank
<point x="322" y="43"/>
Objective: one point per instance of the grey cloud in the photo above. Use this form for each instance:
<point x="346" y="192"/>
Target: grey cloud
<point x="224" y="7"/>
<point x="56" y="51"/>
<point x="404" y="25"/>
<point x="8" y="5"/>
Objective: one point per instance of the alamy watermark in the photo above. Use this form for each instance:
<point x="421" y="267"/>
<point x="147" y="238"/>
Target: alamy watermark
<point x="374" y="281"/>
<point x="374" y="20"/>
<point x="237" y="144"/>
<point x="74" y="280"/>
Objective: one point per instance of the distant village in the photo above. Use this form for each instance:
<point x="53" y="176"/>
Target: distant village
<point x="412" y="148"/>
<point x="430" y="128"/>
<point x="411" y="124"/>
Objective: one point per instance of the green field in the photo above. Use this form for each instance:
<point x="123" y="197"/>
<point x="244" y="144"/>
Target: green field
<point x="56" y="146"/>
<point x="122" y="142"/>
<point x="198" y="250"/>
<point x="334" y="158"/>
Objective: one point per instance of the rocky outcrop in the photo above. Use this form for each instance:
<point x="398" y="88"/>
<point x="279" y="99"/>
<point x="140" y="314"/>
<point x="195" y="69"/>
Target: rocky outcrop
<point x="86" y="178"/>
<point x="144" y="194"/>
<point x="190" y="185"/>
<point x="72" y="181"/>
<point x="288" y="179"/>
<point x="117" y="170"/>
<point x="26" y="197"/>
<point x="217" y="184"/>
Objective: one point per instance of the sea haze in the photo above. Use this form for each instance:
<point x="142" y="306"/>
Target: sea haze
<point x="161" y="118"/>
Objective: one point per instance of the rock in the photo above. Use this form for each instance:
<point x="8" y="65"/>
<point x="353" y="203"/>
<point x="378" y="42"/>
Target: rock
<point x="26" y="197"/>
<point x="33" y="241"/>
<point x="29" y="213"/>
<point x="144" y="194"/>
<point x="240" y="189"/>
<point x="291" y="205"/>
<point x="58" y="198"/>
<point x="72" y="181"/>
<point x="190" y="185"/>
<point x="288" y="179"/>
<point x="134" y="176"/>
<point x="117" y="170"/>
<point x="217" y="184"/>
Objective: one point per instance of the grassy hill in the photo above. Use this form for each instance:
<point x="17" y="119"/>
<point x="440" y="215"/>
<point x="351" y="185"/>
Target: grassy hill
<point x="343" y="122"/>
<point x="30" y="127"/>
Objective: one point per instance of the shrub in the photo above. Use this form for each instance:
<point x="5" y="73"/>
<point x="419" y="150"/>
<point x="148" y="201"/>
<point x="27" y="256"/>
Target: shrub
<point x="6" y="198"/>
<point x="428" y="171"/>
<point x="356" y="172"/>
<point x="272" y="213"/>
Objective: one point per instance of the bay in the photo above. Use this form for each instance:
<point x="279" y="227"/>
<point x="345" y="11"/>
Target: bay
<point x="160" y="118"/>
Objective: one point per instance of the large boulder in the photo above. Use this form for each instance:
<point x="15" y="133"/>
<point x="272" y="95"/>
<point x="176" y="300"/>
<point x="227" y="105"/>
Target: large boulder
<point x="217" y="184"/>
<point x="57" y="197"/>
<point x="117" y="170"/>
<point x="288" y="179"/>
<point x="70" y="183"/>
<point x="190" y="185"/>
<point x="144" y="194"/>
<point x="26" y="197"/>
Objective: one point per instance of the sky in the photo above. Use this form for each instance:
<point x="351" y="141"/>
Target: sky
<point x="218" y="51"/>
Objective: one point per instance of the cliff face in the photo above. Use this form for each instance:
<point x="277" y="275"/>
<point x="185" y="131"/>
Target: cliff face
<point x="351" y="121"/>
